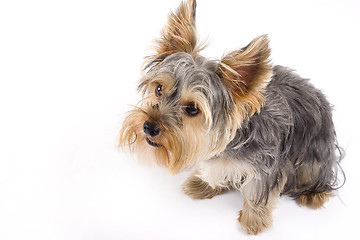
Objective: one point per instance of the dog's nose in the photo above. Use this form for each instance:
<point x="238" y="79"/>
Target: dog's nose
<point x="151" y="129"/>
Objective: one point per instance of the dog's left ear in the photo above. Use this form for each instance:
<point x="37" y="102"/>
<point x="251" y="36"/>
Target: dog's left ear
<point x="246" y="72"/>
<point x="179" y="34"/>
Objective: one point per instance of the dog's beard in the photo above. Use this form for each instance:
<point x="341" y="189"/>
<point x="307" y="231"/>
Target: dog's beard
<point x="175" y="148"/>
<point x="133" y="138"/>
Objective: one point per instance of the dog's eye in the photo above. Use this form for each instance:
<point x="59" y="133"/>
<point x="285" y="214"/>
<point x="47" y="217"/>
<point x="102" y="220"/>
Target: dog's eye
<point x="158" y="90"/>
<point x="191" y="110"/>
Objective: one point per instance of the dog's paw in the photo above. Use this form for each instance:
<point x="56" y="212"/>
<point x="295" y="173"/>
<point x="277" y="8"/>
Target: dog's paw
<point x="196" y="188"/>
<point x="253" y="223"/>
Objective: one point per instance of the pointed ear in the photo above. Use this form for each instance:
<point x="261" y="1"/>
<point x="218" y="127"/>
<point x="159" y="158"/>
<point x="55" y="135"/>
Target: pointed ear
<point x="179" y="34"/>
<point x="246" y="72"/>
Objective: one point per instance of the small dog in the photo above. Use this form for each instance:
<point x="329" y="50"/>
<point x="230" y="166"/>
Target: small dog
<point x="238" y="123"/>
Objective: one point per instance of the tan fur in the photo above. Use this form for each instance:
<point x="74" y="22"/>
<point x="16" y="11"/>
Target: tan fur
<point x="182" y="146"/>
<point x="184" y="125"/>
<point x="201" y="103"/>
<point x="305" y="173"/>
<point x="198" y="189"/>
<point x="133" y="138"/>
<point x="314" y="200"/>
<point x="194" y="138"/>
<point x="179" y="34"/>
<point x="151" y="81"/>
<point x="246" y="73"/>
<point x="256" y="217"/>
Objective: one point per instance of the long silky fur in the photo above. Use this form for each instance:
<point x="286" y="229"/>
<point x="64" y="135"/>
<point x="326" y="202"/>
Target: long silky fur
<point x="267" y="121"/>
<point x="294" y="131"/>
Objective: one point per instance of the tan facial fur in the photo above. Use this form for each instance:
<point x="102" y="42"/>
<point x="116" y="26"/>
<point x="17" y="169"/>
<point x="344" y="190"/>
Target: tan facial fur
<point x="238" y="123"/>
<point x="184" y="140"/>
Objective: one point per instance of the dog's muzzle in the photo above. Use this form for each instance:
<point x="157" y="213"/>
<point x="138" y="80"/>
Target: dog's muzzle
<point x="152" y="130"/>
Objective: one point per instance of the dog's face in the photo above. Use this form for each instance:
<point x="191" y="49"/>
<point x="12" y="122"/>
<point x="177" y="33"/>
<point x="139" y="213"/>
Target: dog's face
<point x="191" y="106"/>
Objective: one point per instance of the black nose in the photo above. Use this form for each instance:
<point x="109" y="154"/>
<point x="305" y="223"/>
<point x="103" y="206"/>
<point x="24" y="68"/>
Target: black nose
<point x="151" y="129"/>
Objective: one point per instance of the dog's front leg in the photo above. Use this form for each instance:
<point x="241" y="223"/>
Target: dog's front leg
<point x="256" y="215"/>
<point x="196" y="188"/>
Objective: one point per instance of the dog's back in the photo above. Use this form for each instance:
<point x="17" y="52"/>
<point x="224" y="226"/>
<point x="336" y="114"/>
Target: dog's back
<point x="238" y="122"/>
<point x="294" y="132"/>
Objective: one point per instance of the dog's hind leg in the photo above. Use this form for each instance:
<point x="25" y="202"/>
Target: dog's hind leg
<point x="314" y="200"/>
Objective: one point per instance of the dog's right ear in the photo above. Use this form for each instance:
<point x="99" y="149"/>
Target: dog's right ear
<point x="179" y="33"/>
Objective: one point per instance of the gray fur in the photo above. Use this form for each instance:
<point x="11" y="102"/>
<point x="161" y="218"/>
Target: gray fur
<point x="294" y="131"/>
<point x="292" y="135"/>
<point x="199" y="75"/>
<point x="239" y="123"/>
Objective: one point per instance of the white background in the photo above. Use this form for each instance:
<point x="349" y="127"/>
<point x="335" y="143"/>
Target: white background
<point x="68" y="73"/>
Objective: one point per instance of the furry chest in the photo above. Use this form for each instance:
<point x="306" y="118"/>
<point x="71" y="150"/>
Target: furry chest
<point x="226" y="172"/>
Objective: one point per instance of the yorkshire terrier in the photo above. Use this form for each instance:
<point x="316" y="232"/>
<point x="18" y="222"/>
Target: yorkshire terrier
<point x="238" y="123"/>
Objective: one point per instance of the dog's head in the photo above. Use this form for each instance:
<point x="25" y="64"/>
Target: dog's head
<point x="191" y="106"/>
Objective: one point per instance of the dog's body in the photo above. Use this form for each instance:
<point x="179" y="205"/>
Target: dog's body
<point x="239" y="123"/>
<point x="292" y="137"/>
